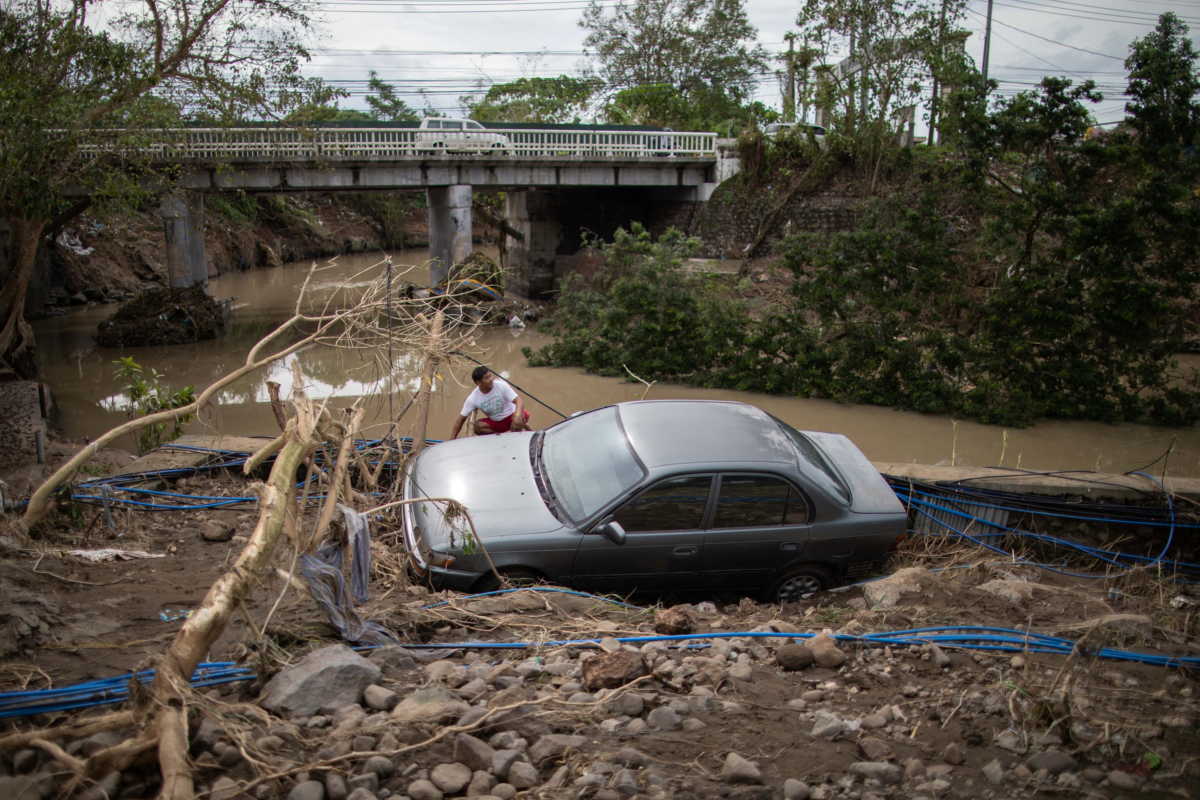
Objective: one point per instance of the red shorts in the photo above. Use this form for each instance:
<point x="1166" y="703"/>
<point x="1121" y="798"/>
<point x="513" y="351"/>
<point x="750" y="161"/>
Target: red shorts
<point x="501" y="425"/>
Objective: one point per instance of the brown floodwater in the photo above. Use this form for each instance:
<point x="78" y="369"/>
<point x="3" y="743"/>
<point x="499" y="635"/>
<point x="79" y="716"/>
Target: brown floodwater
<point x="90" y="399"/>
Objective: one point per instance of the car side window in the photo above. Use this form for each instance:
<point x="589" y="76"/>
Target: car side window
<point x="475" y="126"/>
<point x="675" y="504"/>
<point x="433" y="123"/>
<point x="454" y="126"/>
<point x="747" y="501"/>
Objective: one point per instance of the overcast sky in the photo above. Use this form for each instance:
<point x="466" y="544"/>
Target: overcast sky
<point x="448" y="48"/>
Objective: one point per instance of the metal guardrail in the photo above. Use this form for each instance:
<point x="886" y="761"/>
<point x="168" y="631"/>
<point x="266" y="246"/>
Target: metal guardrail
<point x="386" y="144"/>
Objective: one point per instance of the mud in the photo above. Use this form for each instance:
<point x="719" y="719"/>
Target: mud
<point x="164" y="317"/>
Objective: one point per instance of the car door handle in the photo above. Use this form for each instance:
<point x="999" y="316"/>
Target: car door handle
<point x="685" y="550"/>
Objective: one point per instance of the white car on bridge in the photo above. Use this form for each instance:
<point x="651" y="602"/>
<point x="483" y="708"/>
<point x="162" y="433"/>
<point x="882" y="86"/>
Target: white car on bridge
<point x="445" y="135"/>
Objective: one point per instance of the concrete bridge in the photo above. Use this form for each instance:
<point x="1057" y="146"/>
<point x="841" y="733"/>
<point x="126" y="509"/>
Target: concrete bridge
<point x="543" y="172"/>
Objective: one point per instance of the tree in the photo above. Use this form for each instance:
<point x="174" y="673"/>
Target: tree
<point x="384" y="103"/>
<point x="1164" y="87"/>
<point x="555" y="100"/>
<point x="702" y="109"/>
<point x="75" y="90"/>
<point x="686" y="44"/>
<point x="874" y="56"/>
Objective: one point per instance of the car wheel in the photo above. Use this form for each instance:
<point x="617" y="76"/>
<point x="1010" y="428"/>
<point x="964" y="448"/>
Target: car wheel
<point x="797" y="583"/>
<point x="513" y="578"/>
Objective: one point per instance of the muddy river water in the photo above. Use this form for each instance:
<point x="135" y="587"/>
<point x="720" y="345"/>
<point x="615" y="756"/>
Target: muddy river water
<point x="90" y="399"/>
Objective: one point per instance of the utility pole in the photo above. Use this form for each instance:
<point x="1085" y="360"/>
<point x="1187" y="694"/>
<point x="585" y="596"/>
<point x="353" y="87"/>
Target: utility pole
<point x="789" y="98"/>
<point x="987" y="42"/>
<point x="806" y="58"/>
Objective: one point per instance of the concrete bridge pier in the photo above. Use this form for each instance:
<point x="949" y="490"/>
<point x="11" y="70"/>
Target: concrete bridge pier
<point x="183" y="221"/>
<point x="529" y="263"/>
<point x="449" y="228"/>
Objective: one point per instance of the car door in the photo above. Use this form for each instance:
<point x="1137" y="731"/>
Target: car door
<point x="760" y="523"/>
<point x="664" y="540"/>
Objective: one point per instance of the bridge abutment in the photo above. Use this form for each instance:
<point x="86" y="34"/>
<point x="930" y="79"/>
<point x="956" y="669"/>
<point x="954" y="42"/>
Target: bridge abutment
<point x="529" y="263"/>
<point x="183" y="222"/>
<point x="449" y="228"/>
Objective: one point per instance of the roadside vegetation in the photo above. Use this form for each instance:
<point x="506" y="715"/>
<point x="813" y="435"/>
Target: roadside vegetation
<point x="1028" y="268"/>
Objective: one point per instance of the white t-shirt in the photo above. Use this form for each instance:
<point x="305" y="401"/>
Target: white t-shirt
<point x="500" y="403"/>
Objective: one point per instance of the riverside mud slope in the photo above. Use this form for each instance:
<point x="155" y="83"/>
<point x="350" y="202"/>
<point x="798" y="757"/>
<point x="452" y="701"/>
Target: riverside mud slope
<point x="744" y="717"/>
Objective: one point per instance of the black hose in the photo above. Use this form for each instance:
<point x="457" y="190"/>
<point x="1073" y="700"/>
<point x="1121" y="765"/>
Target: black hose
<point x="510" y="383"/>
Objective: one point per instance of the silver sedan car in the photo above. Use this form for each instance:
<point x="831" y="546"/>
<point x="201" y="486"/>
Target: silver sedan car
<point x="653" y="496"/>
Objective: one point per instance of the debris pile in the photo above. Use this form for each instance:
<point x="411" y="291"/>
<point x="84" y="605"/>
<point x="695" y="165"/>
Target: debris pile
<point x="164" y="316"/>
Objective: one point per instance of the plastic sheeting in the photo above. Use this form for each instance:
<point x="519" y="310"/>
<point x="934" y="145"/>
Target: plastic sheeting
<point x="322" y="571"/>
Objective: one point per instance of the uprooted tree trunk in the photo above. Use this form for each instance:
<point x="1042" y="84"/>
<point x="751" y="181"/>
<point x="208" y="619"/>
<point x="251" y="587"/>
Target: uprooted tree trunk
<point x="17" y="357"/>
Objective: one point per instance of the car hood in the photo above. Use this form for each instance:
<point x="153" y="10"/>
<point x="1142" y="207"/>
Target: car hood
<point x="869" y="492"/>
<point x="491" y="476"/>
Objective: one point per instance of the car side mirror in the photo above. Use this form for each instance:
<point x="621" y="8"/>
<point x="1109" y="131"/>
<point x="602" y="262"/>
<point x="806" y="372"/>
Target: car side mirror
<point x="612" y="531"/>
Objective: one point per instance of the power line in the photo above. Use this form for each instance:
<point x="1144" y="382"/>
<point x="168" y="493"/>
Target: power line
<point x="1051" y="41"/>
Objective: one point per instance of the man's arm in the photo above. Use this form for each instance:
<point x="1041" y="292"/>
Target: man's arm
<point x="457" y="426"/>
<point x="518" y="423"/>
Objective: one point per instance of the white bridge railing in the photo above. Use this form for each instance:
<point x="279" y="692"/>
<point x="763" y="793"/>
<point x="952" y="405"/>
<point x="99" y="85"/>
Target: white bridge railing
<point x="385" y="144"/>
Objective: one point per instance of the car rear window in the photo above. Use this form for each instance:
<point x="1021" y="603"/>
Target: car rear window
<point x="811" y="454"/>
<point x="589" y="462"/>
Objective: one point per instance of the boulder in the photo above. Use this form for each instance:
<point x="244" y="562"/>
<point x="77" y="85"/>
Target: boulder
<point x="331" y="676"/>
<point x="434" y="704"/>
<point x="610" y="670"/>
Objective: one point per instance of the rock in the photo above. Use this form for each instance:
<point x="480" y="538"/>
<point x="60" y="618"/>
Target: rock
<point x="914" y="769"/>
<point x="663" y="719"/>
<point x="794" y="657"/>
<point x="874" y="721"/>
<point x="335" y="786"/>
<point x="1125" y="780"/>
<point x="938" y="655"/>
<point x="216" y="531"/>
<point x="475" y="753"/>
<point x="333" y="675"/>
<point x="1011" y="741"/>
<point x="424" y="790"/>
<point x="481" y="783"/>
<point x="794" y="789"/>
<point x="673" y="621"/>
<point x="993" y="771"/>
<point x="879" y="770"/>
<point x="434" y="704"/>
<point x="451" y="778"/>
<point x="1053" y="761"/>
<point x="380" y="699"/>
<point x="504" y="791"/>
<point x="308" y="790"/>
<point x="1016" y="592"/>
<point x="522" y="775"/>
<point x="630" y="757"/>
<point x="364" y="780"/>
<point x="626" y="783"/>
<point x="953" y="754"/>
<point x="825" y="650"/>
<point x="738" y="769"/>
<point x="380" y="765"/>
<point x="887" y="592"/>
<point x="629" y="704"/>
<point x="25" y="761"/>
<point x="610" y="670"/>
<point x="224" y="788"/>
<point x="362" y="794"/>
<point x="393" y="661"/>
<point x="874" y="749"/>
<point x="827" y="726"/>
<point x="551" y="747"/>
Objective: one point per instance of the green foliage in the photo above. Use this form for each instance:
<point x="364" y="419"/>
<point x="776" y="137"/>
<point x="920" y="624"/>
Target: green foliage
<point x="384" y="103"/>
<point x="643" y="312"/>
<point x="237" y="207"/>
<point x="687" y="44"/>
<point x="1033" y="272"/>
<point x="554" y="100"/>
<point x="704" y="108"/>
<point x="147" y="394"/>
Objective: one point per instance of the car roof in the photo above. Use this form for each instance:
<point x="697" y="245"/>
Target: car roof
<point x="665" y="432"/>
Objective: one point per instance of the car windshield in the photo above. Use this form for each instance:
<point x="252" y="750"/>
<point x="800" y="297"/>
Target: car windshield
<point x="589" y="462"/>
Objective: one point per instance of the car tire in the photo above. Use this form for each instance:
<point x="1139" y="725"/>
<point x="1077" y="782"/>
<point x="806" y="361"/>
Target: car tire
<point x="797" y="583"/>
<point x="513" y="577"/>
